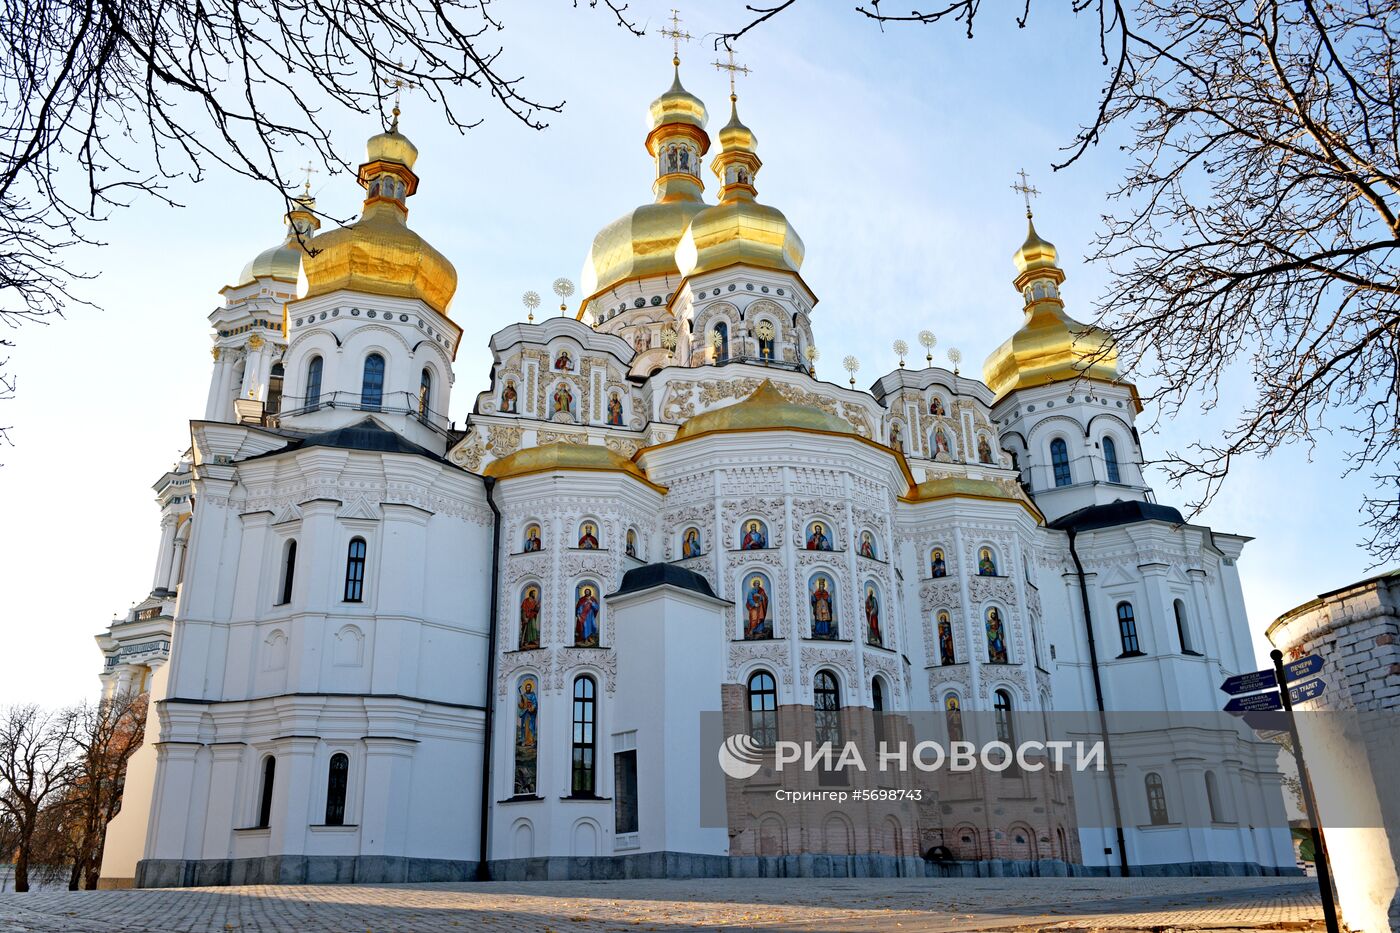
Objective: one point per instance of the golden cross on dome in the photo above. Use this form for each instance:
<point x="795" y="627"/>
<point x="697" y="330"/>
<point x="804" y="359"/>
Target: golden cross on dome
<point x="1026" y="190"/>
<point x="734" y="70"/>
<point x="676" y="35"/>
<point x="310" y="169"/>
<point x="398" y="84"/>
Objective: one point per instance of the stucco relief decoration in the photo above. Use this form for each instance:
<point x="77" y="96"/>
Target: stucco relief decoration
<point x="770" y="653"/>
<point x="503" y="439"/>
<point x="623" y="447"/>
<point x="679" y="403"/>
<point x="569" y="662"/>
<point x="814" y="658"/>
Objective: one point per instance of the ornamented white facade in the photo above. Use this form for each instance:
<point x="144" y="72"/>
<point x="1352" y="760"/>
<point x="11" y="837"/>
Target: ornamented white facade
<point x="400" y="648"/>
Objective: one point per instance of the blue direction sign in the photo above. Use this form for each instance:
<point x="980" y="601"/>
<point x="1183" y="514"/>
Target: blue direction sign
<point x="1248" y="683"/>
<point x="1255" y="702"/>
<point x="1307" y="690"/>
<point x="1303" y="667"/>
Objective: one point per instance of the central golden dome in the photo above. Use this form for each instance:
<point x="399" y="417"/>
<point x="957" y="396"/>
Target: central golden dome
<point x="379" y="254"/>
<point x="739" y="229"/>
<point x="642" y="243"/>
<point x="766" y="409"/>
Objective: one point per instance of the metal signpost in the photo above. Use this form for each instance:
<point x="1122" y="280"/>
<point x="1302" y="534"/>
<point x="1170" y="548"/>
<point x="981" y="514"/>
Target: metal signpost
<point x="1273" y="698"/>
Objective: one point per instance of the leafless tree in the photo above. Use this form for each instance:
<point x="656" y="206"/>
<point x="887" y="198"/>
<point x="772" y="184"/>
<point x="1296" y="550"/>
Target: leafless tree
<point x="1255" y="233"/>
<point x="105" y="736"/>
<point x="102" y="103"/>
<point x="35" y="765"/>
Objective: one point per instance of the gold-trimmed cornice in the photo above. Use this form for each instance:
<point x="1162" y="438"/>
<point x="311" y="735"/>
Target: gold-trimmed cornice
<point x="562" y="457"/>
<point x="964" y="487"/>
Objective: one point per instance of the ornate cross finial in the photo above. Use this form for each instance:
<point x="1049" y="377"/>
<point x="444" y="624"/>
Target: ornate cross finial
<point x="734" y="70"/>
<point x="310" y="169"/>
<point x="398" y="84"/>
<point x="676" y="35"/>
<point x="1026" y="190"/>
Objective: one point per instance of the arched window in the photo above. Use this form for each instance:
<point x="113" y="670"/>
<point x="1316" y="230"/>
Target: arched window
<point x="1183" y="629"/>
<point x="289" y="571"/>
<point x="372" y="385"/>
<point x="585" y="717"/>
<point x="425" y="392"/>
<point x="1002" y="706"/>
<point x="763" y="709"/>
<point x="355" y="571"/>
<point x="1156" y="799"/>
<point x="1110" y="460"/>
<point x="1127" y="629"/>
<point x="877" y="707"/>
<point x="313" y="382"/>
<point x="274" y="389"/>
<point x="1213" y="798"/>
<point x="720" y="341"/>
<point x="826" y="707"/>
<point x="265" y="796"/>
<point x="1059" y="459"/>
<point x="337" y="779"/>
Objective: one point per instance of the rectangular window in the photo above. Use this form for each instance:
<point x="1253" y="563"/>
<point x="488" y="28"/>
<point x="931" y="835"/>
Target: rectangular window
<point x="585" y="709"/>
<point x="625" y="792"/>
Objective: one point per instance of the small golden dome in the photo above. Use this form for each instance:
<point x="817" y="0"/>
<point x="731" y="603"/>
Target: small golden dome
<point x="281" y="262"/>
<point x="558" y="457"/>
<point x="678" y="105"/>
<point x="949" y="487"/>
<point x="766" y="409"/>
<point x="1050" y="346"/>
<point x="379" y="254"/>
<point x="739" y="229"/>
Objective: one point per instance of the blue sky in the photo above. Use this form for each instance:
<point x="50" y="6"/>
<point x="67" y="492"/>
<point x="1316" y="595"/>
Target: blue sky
<point x="892" y="153"/>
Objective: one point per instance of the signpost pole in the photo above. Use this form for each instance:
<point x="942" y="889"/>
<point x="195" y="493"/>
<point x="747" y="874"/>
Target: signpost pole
<point x="1324" y="871"/>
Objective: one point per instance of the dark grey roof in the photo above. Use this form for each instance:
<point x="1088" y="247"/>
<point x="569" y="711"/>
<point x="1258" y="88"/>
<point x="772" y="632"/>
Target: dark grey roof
<point x="1122" y="512"/>
<point x="363" y="435"/>
<point x="651" y="575"/>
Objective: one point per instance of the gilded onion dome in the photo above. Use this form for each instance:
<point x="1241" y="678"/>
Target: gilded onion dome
<point x="283" y="261"/>
<point x="379" y="254"/>
<point x="1050" y="346"/>
<point x="765" y="410"/>
<point x="642" y="242"/>
<point x="962" y="487"/>
<point x="560" y="457"/>
<point x="739" y="229"/>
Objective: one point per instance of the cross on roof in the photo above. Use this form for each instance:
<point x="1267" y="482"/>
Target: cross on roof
<point x="310" y="169"/>
<point x="676" y="35"/>
<point x="1026" y="190"/>
<point x="734" y="70"/>
<point x="398" y="84"/>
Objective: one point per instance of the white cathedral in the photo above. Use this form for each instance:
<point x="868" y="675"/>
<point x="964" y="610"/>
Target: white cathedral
<point x="380" y="647"/>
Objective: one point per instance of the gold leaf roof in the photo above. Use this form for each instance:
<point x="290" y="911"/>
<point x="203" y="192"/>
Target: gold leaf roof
<point x="949" y="487"/>
<point x="559" y="456"/>
<point x="765" y="409"/>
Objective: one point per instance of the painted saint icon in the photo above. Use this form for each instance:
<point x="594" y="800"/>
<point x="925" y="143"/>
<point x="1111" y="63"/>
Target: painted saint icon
<point x="532" y="538"/>
<point x="527" y="709"/>
<point x="563" y="399"/>
<point x="755" y="536"/>
<point x="940" y="444"/>
<point x="938" y="566"/>
<point x="508" y="397"/>
<point x="756" y="609"/>
<point x="996" y="637"/>
<point x="823" y="607"/>
<point x="872" y="617"/>
<point x="614" y="409"/>
<point x="530" y="618"/>
<point x="817" y="538"/>
<point x="586" y="616"/>
<point x="631" y="543"/>
<point x="945" y="639"/>
<point x="690" y="543"/>
<point x="896" y="436"/>
<point x="588" y="536"/>
<point x="563" y="361"/>
<point x="984" y="450"/>
<point x="935" y="407"/>
<point x="952" y="713"/>
<point x="867" y="545"/>
<point x="986" y="563"/>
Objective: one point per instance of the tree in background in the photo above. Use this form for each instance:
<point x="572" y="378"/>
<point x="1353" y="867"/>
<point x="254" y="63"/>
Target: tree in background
<point x="105" y="736"/>
<point x="36" y="750"/>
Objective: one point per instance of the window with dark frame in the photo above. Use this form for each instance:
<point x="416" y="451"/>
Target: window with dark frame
<point x="269" y="776"/>
<point x="355" y="571"/>
<point x="372" y="384"/>
<point x="826" y="720"/>
<point x="1156" y="799"/>
<point x="763" y="709"/>
<point x="625" y="792"/>
<point x="313" y="382"/>
<point x="425" y="391"/>
<point x="337" y="780"/>
<point x="1059" y="459"/>
<point x="289" y="571"/>
<point x="1110" y="460"/>
<point x="584" y="783"/>
<point x="1127" y="629"/>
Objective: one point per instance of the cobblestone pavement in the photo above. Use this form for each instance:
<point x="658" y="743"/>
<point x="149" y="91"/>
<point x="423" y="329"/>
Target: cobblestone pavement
<point x="836" y="904"/>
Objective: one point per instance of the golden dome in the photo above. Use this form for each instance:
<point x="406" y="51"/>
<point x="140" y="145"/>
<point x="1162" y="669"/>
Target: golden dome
<point x="739" y="229"/>
<point x="642" y="242"/>
<point x="379" y="254"/>
<point x="949" y="487"/>
<point x="283" y="261"/>
<point x="1050" y="346"/>
<point x="766" y="409"/>
<point x="558" y="457"/>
